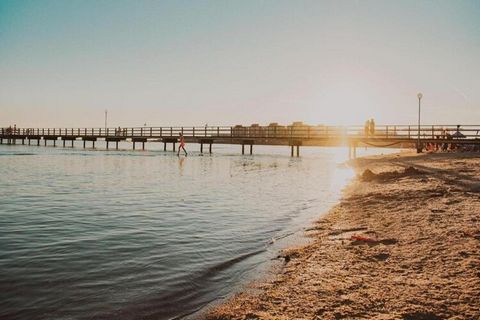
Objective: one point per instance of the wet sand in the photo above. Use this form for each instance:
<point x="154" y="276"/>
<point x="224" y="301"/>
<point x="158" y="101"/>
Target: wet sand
<point x="404" y="243"/>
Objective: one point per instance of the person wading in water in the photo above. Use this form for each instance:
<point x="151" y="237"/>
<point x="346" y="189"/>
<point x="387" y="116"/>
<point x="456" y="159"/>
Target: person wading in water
<point x="182" y="145"/>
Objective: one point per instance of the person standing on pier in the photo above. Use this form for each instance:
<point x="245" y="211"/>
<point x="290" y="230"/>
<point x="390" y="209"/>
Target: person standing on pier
<point x="372" y="127"/>
<point x="182" y="145"/>
<point x="366" y="128"/>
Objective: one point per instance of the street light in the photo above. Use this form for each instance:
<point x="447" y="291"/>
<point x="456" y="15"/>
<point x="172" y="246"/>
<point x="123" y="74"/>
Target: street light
<point x="419" y="147"/>
<point x="106" y="112"/>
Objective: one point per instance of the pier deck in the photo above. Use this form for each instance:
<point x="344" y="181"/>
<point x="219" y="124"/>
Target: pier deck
<point x="294" y="136"/>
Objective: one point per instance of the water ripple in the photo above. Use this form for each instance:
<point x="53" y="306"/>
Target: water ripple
<point x="146" y="235"/>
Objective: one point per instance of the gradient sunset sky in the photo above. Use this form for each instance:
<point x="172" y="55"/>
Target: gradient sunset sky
<point x="62" y="63"/>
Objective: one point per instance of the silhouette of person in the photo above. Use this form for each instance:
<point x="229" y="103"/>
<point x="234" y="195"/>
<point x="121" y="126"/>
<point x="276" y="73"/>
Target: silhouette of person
<point x="182" y="145"/>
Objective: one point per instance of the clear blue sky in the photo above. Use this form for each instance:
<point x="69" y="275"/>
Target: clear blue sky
<point x="62" y="63"/>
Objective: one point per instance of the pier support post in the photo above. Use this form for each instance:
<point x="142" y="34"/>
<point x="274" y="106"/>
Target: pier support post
<point x="352" y="151"/>
<point x="174" y="147"/>
<point x="28" y="141"/>
<point x="83" y="144"/>
<point x="116" y="145"/>
<point x="298" y="151"/>
<point x="93" y="144"/>
<point x="143" y="145"/>
<point x="45" y="142"/>
<point x="292" y="147"/>
<point x="1" y="140"/>
<point x="54" y="143"/>
<point x="201" y="147"/>
<point x="243" y="149"/>
<point x="164" y="146"/>
<point x="107" y="144"/>
<point x="38" y="142"/>
<point x="210" y="149"/>
<point x="72" y="143"/>
<point x="64" y="143"/>
<point x="251" y="149"/>
<point x="23" y="142"/>
<point x="133" y="145"/>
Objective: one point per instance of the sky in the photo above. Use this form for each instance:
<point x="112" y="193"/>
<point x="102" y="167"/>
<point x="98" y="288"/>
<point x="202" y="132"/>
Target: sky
<point x="185" y="63"/>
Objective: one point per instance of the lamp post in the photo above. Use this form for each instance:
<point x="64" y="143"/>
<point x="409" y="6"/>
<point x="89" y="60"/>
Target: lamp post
<point x="419" y="147"/>
<point x="106" y="112"/>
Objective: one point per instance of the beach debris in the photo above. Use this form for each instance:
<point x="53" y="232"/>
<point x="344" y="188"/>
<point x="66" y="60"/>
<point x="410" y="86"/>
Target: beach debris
<point x="289" y="254"/>
<point x="340" y="231"/>
<point x="411" y="171"/>
<point x="381" y="256"/>
<point x="369" y="175"/>
<point x="388" y="241"/>
<point x="357" y="237"/>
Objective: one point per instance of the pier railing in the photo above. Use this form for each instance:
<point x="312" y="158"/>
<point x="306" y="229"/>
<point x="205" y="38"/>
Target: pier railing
<point x="257" y="132"/>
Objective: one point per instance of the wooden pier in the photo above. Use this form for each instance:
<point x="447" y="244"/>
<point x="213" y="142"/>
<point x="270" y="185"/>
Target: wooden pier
<point x="294" y="136"/>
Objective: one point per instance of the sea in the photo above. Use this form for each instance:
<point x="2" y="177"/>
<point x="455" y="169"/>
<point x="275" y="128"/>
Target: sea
<point x="97" y="234"/>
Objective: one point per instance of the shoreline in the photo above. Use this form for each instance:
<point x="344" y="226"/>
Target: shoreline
<point x="402" y="243"/>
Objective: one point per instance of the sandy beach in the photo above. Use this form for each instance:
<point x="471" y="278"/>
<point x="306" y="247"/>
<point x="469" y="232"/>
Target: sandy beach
<point x="402" y="244"/>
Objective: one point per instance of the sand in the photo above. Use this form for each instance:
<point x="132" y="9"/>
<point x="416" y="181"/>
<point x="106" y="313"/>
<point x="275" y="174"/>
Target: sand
<point x="404" y="243"/>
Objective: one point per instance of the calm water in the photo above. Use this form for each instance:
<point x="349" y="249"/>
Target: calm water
<point x="146" y="235"/>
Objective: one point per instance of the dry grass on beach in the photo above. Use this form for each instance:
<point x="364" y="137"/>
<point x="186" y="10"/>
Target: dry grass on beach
<point x="404" y="243"/>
